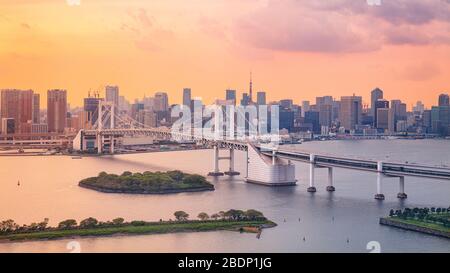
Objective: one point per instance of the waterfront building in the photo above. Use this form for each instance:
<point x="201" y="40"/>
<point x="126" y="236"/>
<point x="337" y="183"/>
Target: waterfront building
<point x="56" y="110"/>
<point x="350" y="112"/>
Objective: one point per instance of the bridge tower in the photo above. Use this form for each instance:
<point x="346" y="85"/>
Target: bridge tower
<point x="105" y="107"/>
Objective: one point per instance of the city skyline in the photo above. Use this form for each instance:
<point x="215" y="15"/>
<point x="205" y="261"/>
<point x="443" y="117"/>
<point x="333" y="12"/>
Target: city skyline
<point x="142" y="48"/>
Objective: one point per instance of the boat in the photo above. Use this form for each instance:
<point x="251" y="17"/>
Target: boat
<point x="76" y="157"/>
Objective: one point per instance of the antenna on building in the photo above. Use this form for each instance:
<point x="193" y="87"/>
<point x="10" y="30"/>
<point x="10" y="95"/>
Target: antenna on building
<point x="251" y="87"/>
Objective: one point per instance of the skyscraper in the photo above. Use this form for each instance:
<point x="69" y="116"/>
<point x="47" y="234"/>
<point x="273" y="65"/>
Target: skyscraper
<point x="161" y="102"/>
<point x="350" y="112"/>
<point x="261" y="98"/>
<point x="91" y="110"/>
<point x="230" y="95"/>
<point x="444" y="100"/>
<point x="18" y="105"/>
<point x="56" y="110"/>
<point x="36" y="108"/>
<point x="10" y="107"/>
<point x="305" y="107"/>
<point x="379" y="104"/>
<point x="112" y="95"/>
<point x="376" y="95"/>
<point x="187" y="97"/>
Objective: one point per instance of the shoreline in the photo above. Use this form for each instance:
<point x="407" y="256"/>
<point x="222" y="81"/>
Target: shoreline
<point x="172" y="191"/>
<point x="405" y="225"/>
<point x="151" y="228"/>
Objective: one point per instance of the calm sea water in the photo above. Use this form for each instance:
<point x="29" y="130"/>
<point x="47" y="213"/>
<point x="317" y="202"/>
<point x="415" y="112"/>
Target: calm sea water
<point x="49" y="188"/>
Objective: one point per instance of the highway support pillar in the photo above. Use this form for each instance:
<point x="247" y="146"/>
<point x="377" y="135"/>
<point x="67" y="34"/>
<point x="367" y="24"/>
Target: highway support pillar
<point x="231" y="171"/>
<point x="216" y="171"/>
<point x="312" y="159"/>
<point x="330" y="186"/>
<point x="402" y="194"/>
<point x="379" y="195"/>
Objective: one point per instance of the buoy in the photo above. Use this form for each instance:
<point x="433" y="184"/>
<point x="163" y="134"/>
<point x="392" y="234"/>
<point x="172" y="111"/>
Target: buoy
<point x="18" y="183"/>
<point x="304" y="239"/>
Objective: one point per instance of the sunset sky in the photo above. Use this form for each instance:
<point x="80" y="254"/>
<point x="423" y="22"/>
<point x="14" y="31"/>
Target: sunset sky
<point x="296" y="49"/>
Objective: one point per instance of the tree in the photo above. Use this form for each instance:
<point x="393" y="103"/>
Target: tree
<point x="181" y="215"/>
<point x="203" y="216"/>
<point x="234" y="214"/>
<point x="253" y="214"/>
<point x="391" y="213"/>
<point x="8" y="226"/>
<point x="118" y="221"/>
<point x="215" y="216"/>
<point x="89" y="223"/>
<point x="222" y="214"/>
<point x="127" y="173"/>
<point x="67" y="224"/>
<point x="43" y="225"/>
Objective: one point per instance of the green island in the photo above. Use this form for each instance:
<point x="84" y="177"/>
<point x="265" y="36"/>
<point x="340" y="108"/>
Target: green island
<point x="434" y="221"/>
<point x="233" y="220"/>
<point x="147" y="183"/>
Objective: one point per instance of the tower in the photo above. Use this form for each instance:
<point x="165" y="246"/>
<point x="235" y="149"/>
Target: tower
<point x="251" y="88"/>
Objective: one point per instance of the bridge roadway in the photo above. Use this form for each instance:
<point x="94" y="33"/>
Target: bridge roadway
<point x="388" y="169"/>
<point x="325" y="161"/>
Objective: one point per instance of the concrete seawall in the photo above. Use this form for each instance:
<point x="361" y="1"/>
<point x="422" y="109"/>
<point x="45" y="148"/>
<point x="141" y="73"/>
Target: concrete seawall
<point x="393" y="223"/>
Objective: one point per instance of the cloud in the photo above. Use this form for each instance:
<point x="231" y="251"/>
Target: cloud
<point x="146" y="33"/>
<point x="344" y="26"/>
<point x="421" y="72"/>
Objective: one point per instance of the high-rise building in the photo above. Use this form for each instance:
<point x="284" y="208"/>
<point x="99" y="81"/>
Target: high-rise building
<point x="419" y="108"/>
<point x="313" y="118"/>
<point x="376" y="94"/>
<point x="379" y="104"/>
<point x="350" y="112"/>
<point x="325" y="114"/>
<point x="56" y="110"/>
<point x="150" y="119"/>
<point x="10" y="106"/>
<point x="112" y="94"/>
<point x="36" y="108"/>
<point x="245" y="99"/>
<point x="261" y="98"/>
<point x="91" y="108"/>
<point x="382" y="118"/>
<point x="305" y="107"/>
<point x="161" y="102"/>
<point x="187" y="97"/>
<point x="230" y="95"/>
<point x="444" y="100"/>
<point x="287" y="103"/>
<point x="326" y="100"/>
<point x="399" y="110"/>
<point x="18" y="105"/>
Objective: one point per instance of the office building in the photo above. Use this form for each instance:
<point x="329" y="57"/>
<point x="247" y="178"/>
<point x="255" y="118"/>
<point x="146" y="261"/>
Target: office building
<point x="350" y="112"/>
<point x="187" y="97"/>
<point x="261" y="98"/>
<point x="56" y="110"/>
<point x="376" y="94"/>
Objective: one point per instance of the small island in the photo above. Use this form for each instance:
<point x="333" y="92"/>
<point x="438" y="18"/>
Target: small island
<point x="232" y="220"/>
<point x="433" y="221"/>
<point x="147" y="183"/>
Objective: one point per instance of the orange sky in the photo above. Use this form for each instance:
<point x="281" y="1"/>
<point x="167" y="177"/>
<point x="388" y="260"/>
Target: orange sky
<point x="296" y="49"/>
